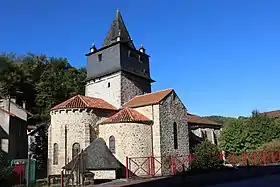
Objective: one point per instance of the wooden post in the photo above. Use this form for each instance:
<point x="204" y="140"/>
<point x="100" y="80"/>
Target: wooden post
<point x="172" y="166"/>
<point x="61" y="179"/>
<point x="78" y="169"/>
<point x="82" y="166"/>
<point x="126" y="168"/>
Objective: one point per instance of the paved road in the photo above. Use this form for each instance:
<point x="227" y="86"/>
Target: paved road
<point x="269" y="181"/>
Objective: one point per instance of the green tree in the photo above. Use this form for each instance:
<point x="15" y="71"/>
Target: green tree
<point x="207" y="156"/>
<point x="232" y="138"/>
<point x="247" y="134"/>
<point x="45" y="82"/>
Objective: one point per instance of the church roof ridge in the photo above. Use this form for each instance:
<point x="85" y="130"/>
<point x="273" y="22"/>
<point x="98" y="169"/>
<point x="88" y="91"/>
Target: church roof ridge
<point x="195" y="119"/>
<point x="167" y="89"/>
<point x="148" y="99"/>
<point x="81" y="101"/>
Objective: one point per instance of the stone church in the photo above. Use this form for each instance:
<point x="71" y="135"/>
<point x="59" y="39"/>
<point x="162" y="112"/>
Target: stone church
<point x="119" y="108"/>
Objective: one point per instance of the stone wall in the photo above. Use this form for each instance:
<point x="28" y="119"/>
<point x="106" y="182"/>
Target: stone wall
<point x="171" y="111"/>
<point x="131" y="140"/>
<point x="107" y="88"/>
<point x="211" y="131"/>
<point x="132" y="86"/>
<point x="69" y="127"/>
<point x="117" y="88"/>
<point x="152" y="112"/>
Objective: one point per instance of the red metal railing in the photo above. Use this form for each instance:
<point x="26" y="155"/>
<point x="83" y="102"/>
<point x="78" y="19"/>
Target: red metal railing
<point x="170" y="165"/>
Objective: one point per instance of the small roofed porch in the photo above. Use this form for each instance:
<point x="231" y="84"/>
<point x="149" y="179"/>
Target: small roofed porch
<point x="95" y="164"/>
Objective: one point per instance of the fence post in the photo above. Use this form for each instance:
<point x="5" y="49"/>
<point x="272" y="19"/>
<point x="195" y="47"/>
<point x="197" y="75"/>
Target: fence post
<point x="272" y="157"/>
<point x="255" y="158"/>
<point x="245" y="158"/>
<point x="172" y="166"/>
<point x="126" y="168"/>
<point x="233" y="159"/>
<point x="264" y="157"/>
<point x="151" y="168"/>
<point x="61" y="179"/>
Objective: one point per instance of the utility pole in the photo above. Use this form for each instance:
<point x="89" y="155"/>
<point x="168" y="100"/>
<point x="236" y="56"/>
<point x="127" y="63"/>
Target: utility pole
<point x="28" y="170"/>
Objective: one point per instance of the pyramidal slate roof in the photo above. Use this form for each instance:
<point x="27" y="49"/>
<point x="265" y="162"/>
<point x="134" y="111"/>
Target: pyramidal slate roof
<point x="96" y="156"/>
<point x="80" y="101"/>
<point x="127" y="115"/>
<point x="118" y="28"/>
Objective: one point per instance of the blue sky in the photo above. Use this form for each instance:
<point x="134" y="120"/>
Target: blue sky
<point x="221" y="56"/>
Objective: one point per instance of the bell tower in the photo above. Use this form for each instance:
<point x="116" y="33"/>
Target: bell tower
<point x="117" y="71"/>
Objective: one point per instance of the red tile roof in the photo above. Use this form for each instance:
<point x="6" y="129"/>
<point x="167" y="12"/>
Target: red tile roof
<point x="127" y="115"/>
<point x="194" y="119"/>
<point x="274" y="113"/>
<point x="80" y="101"/>
<point x="148" y="99"/>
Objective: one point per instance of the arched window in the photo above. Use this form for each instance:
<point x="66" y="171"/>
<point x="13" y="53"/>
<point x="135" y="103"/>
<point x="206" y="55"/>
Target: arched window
<point x="55" y="154"/>
<point x="112" y="144"/>
<point x="75" y="149"/>
<point x="175" y="135"/>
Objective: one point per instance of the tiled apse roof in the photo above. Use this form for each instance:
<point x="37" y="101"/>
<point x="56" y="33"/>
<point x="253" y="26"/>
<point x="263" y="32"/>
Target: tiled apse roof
<point x="127" y="115"/>
<point x="80" y="101"/>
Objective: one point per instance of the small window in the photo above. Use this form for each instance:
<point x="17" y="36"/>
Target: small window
<point x="55" y="154"/>
<point x="75" y="150"/>
<point x="99" y="57"/>
<point x="112" y="144"/>
<point x="175" y="135"/>
<point x="109" y="85"/>
<point x="131" y="54"/>
<point x="141" y="59"/>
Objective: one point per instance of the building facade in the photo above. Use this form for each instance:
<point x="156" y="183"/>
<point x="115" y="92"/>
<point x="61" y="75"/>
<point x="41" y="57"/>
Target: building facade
<point x="119" y="108"/>
<point x="13" y="129"/>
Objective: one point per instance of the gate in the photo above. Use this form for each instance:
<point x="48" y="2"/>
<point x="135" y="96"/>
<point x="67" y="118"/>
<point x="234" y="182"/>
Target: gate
<point x="18" y="174"/>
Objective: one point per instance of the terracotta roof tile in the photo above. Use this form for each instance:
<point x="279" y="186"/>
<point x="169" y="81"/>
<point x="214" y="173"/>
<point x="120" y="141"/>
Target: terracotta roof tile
<point x="80" y="101"/>
<point x="274" y="113"/>
<point x="148" y="99"/>
<point x="194" y="119"/>
<point x="127" y="115"/>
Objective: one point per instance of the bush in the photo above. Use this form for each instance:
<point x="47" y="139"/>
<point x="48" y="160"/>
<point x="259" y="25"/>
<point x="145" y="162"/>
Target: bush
<point x="206" y="156"/>
<point x="5" y="169"/>
<point x="244" y="135"/>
